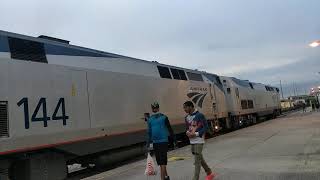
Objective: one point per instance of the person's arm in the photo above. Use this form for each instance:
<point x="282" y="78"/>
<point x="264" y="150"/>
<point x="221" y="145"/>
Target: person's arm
<point x="172" y="135"/>
<point x="187" y="124"/>
<point x="169" y="127"/>
<point x="149" y="133"/>
<point x="201" y="131"/>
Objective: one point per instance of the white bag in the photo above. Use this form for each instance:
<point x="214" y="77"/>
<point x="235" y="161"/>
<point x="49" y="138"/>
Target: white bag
<point x="150" y="167"/>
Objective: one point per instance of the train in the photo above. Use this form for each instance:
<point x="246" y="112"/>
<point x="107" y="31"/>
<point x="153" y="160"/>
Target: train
<point x="61" y="103"/>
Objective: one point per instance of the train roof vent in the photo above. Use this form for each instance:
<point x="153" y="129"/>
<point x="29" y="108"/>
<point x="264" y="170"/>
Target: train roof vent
<point x="54" y="39"/>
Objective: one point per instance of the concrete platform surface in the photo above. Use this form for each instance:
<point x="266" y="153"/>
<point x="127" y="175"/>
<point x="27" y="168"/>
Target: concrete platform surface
<point x="286" y="148"/>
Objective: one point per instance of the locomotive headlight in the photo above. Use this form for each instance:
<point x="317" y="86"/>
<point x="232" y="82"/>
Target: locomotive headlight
<point x="216" y="127"/>
<point x="240" y="122"/>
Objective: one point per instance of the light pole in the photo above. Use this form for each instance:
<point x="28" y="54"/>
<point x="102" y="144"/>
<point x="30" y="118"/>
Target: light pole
<point x="281" y="89"/>
<point x="313" y="45"/>
<point x="317" y="95"/>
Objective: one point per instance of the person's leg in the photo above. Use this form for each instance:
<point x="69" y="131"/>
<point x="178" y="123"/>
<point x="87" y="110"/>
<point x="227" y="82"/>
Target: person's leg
<point x="205" y="165"/>
<point x="202" y="161"/>
<point x="164" y="173"/>
<point x="197" y="167"/>
<point x="196" y="148"/>
<point x="206" y="168"/>
<point x="164" y="160"/>
<point x="165" y="155"/>
<point x="157" y="153"/>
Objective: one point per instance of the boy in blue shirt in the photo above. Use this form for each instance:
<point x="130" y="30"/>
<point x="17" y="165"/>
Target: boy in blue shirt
<point x="158" y="131"/>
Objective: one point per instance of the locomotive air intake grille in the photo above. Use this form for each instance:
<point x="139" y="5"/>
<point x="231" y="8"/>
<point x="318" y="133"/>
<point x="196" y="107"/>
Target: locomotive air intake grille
<point x="4" y="123"/>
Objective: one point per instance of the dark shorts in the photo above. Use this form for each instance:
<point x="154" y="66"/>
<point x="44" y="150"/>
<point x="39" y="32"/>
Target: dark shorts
<point x="160" y="151"/>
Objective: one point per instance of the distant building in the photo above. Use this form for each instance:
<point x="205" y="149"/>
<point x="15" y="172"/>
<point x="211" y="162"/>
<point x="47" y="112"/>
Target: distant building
<point x="298" y="100"/>
<point x="300" y="97"/>
<point x="314" y="91"/>
<point x="286" y="104"/>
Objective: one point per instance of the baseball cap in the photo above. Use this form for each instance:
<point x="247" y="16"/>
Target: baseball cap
<point x="155" y="105"/>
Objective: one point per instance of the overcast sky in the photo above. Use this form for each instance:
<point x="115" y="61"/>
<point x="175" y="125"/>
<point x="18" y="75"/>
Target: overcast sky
<point x="260" y="40"/>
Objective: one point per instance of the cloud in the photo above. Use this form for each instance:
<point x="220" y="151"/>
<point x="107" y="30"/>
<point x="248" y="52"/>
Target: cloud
<point x="296" y="71"/>
<point x="300" y="75"/>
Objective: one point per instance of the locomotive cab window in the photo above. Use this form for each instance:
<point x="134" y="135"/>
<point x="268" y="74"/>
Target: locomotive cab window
<point x="164" y="72"/>
<point x="218" y="80"/>
<point x="268" y="88"/>
<point x="23" y="49"/>
<point x="182" y="75"/>
<point x="237" y="92"/>
<point x="229" y="90"/>
<point x="250" y="104"/>
<point x="175" y="73"/>
<point x="251" y="85"/>
<point x="194" y="76"/>
<point x="244" y="104"/>
<point x="178" y="74"/>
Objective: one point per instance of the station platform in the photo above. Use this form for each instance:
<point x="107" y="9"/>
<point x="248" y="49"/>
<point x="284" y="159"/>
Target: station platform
<point x="284" y="148"/>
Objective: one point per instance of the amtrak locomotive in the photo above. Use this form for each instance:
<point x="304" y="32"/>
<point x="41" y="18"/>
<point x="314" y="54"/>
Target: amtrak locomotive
<point x="61" y="103"/>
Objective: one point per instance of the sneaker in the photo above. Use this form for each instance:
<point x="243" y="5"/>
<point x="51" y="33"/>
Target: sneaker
<point x="210" y="176"/>
<point x="167" y="178"/>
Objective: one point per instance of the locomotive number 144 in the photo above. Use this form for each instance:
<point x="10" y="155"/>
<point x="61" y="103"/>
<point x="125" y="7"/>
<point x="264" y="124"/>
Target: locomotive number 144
<point x="45" y="118"/>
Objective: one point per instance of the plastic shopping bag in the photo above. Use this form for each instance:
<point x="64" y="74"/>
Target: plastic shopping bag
<point x="150" y="167"/>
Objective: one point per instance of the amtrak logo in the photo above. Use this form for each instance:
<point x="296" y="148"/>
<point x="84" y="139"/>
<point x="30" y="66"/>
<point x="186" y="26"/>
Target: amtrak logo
<point x="197" y="98"/>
